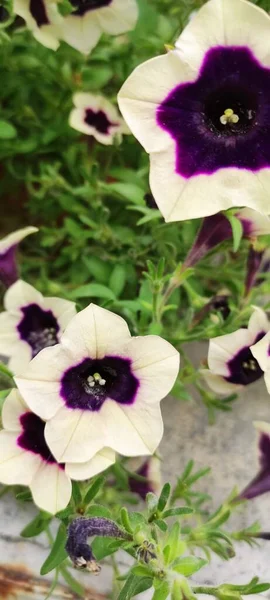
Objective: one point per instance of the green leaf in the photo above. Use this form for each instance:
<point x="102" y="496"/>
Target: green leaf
<point x="97" y="510"/>
<point x="162" y="591"/>
<point x="102" y="547"/>
<point x="161" y="524"/>
<point x="92" y="290"/>
<point x="164" y="497"/>
<point x="177" y="512"/>
<point x="74" y="585"/>
<point x="176" y="544"/>
<point x="141" y="571"/>
<point x="131" y="192"/>
<point x="58" y="553"/>
<point x="76" y="492"/>
<point x="188" y="565"/>
<point x="94" y="489"/>
<point x="237" y="231"/>
<point x="117" y="280"/>
<point x="7" y="130"/>
<point x="135" y="585"/>
<point x="39" y="524"/>
<point x="152" y="502"/>
<point x="125" y="520"/>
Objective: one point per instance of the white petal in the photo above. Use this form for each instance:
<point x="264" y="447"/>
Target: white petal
<point x="63" y="310"/>
<point x="15" y="238"/>
<point x="9" y="336"/>
<point x="224" y="347"/>
<point x="14" y="407"/>
<point x="21" y="294"/>
<point x="75" y="435"/>
<point x="100" y="462"/>
<point x="155" y="363"/>
<point x="260" y="351"/>
<point x="225" y="23"/>
<point x="76" y="121"/>
<point x="86" y="100"/>
<point x="218" y="384"/>
<point x="258" y="323"/>
<point x="259" y="224"/>
<point x="48" y="35"/>
<point x="40" y="384"/>
<point x="17" y="466"/>
<point x="93" y="330"/>
<point x="262" y="427"/>
<point x="82" y="33"/>
<point x="20" y="358"/>
<point x="267" y="380"/>
<point x="142" y="93"/>
<point x="132" y="430"/>
<point x="119" y="17"/>
<point x="51" y="488"/>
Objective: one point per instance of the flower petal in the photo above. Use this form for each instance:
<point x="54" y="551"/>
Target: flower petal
<point x="224" y="347"/>
<point x="47" y="34"/>
<point x="82" y="33"/>
<point x="92" y="331"/>
<point x="51" y="488"/>
<point x="118" y="17"/>
<point x="218" y="384"/>
<point x="254" y="223"/>
<point x="14" y="407"/>
<point x="15" y="238"/>
<point x="261" y="351"/>
<point x="228" y="23"/>
<point x="258" y="323"/>
<point x="17" y="467"/>
<point x="155" y="363"/>
<point x="9" y="337"/>
<point x="75" y="435"/>
<point x="63" y="310"/>
<point x="100" y="462"/>
<point x="20" y="294"/>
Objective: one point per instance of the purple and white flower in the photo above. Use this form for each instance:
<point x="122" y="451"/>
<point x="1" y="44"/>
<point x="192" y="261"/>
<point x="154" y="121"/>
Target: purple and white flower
<point x="95" y="115"/>
<point x="30" y="323"/>
<point x="232" y="364"/>
<point x="84" y="26"/>
<point x="261" y="482"/>
<point x="149" y="472"/>
<point x="100" y="388"/>
<point x="8" y="247"/>
<point x="25" y="458"/>
<point x="194" y="110"/>
<point x="261" y="353"/>
<point x="43" y="19"/>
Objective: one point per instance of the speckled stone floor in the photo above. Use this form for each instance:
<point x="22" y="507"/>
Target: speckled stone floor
<point x="228" y="447"/>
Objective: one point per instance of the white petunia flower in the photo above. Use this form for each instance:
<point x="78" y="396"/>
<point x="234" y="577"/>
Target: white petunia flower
<point x="95" y="115"/>
<point x="83" y="27"/>
<point x="261" y="352"/>
<point x="25" y="458"/>
<point x="195" y="111"/>
<point x="231" y="363"/>
<point x="100" y="388"/>
<point x="8" y="246"/>
<point x="42" y="18"/>
<point x="30" y="323"/>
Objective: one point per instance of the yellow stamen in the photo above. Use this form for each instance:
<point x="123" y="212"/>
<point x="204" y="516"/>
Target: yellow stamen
<point x="229" y="117"/>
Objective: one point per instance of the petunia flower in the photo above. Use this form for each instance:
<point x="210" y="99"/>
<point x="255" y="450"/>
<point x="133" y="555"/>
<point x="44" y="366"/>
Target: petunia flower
<point x="100" y="387"/>
<point x="30" y="323"/>
<point x="231" y="363"/>
<point x="8" y="247"/>
<point x="261" y="482"/>
<point x="261" y="353"/>
<point x="197" y="114"/>
<point x="25" y="458"/>
<point x="90" y="18"/>
<point x="43" y="18"/>
<point x="149" y="476"/>
<point x="95" y="115"/>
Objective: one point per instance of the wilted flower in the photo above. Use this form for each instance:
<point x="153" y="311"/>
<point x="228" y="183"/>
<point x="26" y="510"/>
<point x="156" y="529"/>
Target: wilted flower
<point x="261" y="352"/>
<point x="254" y="264"/>
<point x="79" y="551"/>
<point x="42" y="18"/>
<point x="95" y="115"/>
<point x="90" y="18"/>
<point x="25" y="458"/>
<point x="261" y="483"/>
<point x="31" y="323"/>
<point x="8" y="246"/>
<point x="195" y="111"/>
<point x="149" y="473"/>
<point x="231" y="363"/>
<point x="100" y="388"/>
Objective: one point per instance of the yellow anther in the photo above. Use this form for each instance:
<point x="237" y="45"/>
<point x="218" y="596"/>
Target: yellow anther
<point x="229" y="117"/>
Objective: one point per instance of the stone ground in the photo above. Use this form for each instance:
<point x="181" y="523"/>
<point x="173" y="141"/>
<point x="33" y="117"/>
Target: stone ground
<point x="228" y="447"/>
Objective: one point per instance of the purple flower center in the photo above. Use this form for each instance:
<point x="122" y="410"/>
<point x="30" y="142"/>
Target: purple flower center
<point x="244" y="368"/>
<point x="88" y="384"/>
<point x="98" y="120"/>
<point x="38" y="327"/>
<point x="83" y="6"/>
<point x="32" y="437"/>
<point x="38" y="11"/>
<point x="223" y="118"/>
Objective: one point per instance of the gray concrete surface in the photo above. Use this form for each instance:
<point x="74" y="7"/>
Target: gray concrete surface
<point x="228" y="447"/>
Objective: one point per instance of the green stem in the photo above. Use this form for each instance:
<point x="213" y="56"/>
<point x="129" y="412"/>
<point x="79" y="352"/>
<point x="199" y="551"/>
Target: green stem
<point x="200" y="589"/>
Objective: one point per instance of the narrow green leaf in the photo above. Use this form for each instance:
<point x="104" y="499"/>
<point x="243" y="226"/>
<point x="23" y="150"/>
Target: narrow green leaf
<point x="125" y="520"/>
<point x="141" y="571"/>
<point x="188" y="565"/>
<point x="162" y="592"/>
<point x="39" y="524"/>
<point x="94" y="290"/>
<point x="164" y="497"/>
<point x="93" y="490"/>
<point x="237" y="231"/>
<point x="7" y="130"/>
<point x="117" y="280"/>
<point x="180" y="511"/>
<point x="76" y="492"/>
<point x="58" y="553"/>
<point x="74" y="585"/>
<point x="97" y="510"/>
<point x="134" y="585"/>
